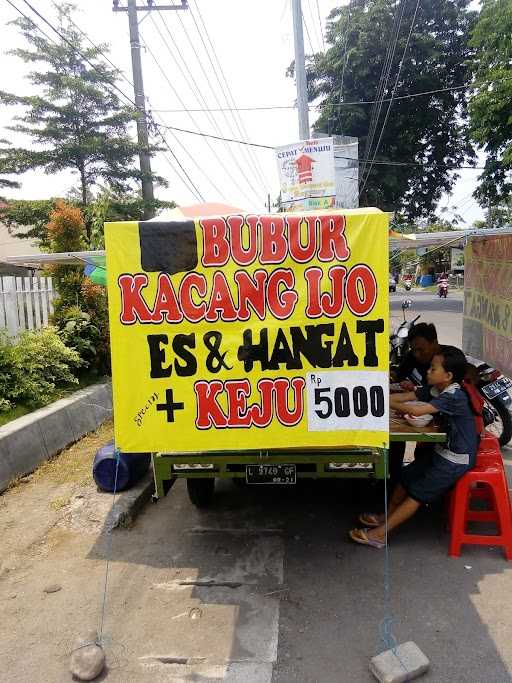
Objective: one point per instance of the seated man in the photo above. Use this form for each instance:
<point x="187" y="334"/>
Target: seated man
<point x="411" y="374"/>
<point x="427" y="478"/>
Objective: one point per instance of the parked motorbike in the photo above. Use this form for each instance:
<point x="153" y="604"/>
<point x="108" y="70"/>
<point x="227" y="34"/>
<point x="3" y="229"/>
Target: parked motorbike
<point x="495" y="388"/>
<point x="398" y="340"/>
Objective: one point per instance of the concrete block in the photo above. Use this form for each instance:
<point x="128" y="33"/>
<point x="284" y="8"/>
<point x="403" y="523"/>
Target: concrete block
<point x="25" y="444"/>
<point x="403" y="663"/>
<point x="129" y="503"/>
<point x="30" y="440"/>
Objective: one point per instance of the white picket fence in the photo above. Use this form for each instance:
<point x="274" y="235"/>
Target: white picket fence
<point x="25" y="303"/>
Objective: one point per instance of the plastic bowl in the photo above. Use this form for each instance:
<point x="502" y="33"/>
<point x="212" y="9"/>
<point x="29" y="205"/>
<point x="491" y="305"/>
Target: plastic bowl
<point x="419" y="420"/>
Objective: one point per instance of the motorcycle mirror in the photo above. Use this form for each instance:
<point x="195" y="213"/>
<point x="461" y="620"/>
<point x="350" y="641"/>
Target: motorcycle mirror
<point x="407" y="303"/>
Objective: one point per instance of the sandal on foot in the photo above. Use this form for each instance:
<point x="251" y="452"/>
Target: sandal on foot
<point x="369" y="519"/>
<point x="361" y="536"/>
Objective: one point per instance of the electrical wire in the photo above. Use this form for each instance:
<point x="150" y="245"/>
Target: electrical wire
<point x="337" y="156"/>
<point x="228" y="92"/>
<point x="192" y="118"/>
<point x="320" y="24"/>
<point x="200" y="98"/>
<point x="96" y="47"/>
<point x="413" y="21"/>
<point x="384" y="78"/>
<point x="95" y="68"/>
<point x="352" y="103"/>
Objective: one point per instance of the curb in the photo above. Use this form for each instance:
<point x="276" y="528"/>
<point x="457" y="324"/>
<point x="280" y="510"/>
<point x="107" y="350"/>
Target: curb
<point x="130" y="503"/>
<point x="30" y="440"/>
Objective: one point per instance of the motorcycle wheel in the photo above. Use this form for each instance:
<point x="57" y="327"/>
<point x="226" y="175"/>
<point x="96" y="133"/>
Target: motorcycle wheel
<point x="502" y="425"/>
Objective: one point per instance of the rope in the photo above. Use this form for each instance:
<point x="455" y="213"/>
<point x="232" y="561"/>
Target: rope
<point x="386" y="625"/>
<point x="108" y="557"/>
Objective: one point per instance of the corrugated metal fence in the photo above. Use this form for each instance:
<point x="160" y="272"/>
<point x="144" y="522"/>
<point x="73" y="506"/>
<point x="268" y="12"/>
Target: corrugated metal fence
<point x="25" y="303"/>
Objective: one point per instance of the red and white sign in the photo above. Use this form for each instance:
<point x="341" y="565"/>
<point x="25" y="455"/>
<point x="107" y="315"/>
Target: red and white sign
<point x="306" y="174"/>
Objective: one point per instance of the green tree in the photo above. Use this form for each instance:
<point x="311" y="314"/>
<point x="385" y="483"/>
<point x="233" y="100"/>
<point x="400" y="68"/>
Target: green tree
<point x="489" y="107"/>
<point x="429" y="131"/>
<point x="27" y="219"/>
<point x="7" y="166"/>
<point x="77" y="121"/>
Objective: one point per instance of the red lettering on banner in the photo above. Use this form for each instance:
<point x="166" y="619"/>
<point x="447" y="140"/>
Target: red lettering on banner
<point x="166" y="302"/>
<point x="332" y="304"/>
<point x="251" y="290"/>
<point x="281" y="303"/>
<point x="209" y="413"/>
<point x="261" y="414"/>
<point x="361" y="290"/>
<point x="298" y="252"/>
<point x="286" y="416"/>
<point x="215" y="243"/>
<point x="133" y="305"/>
<point x="236" y="226"/>
<point x="333" y="243"/>
<point x="274" y="245"/>
<point x="192" y="311"/>
<point x="238" y="392"/>
<point x="313" y="277"/>
<point x="221" y="304"/>
<point x="273" y="401"/>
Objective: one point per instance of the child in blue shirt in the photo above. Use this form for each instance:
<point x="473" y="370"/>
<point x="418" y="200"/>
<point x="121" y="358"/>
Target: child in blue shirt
<point x="438" y="469"/>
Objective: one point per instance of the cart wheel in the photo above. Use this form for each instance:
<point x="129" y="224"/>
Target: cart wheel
<point x="200" y="491"/>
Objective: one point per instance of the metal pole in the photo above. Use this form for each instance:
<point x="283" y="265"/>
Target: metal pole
<point x="300" y="71"/>
<point x="140" y="101"/>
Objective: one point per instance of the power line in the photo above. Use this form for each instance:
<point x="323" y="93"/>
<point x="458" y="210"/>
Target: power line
<point x="320" y="24"/>
<point x="352" y="103"/>
<point x="178" y="97"/>
<point x="199" y="96"/>
<point x="97" y="47"/>
<point x="413" y="21"/>
<point x="95" y="68"/>
<point x="228" y="92"/>
<point x="384" y="78"/>
<point x="68" y="42"/>
<point x="272" y="147"/>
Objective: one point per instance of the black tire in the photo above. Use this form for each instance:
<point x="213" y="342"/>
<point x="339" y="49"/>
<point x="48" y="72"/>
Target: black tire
<point x="502" y="425"/>
<point x="200" y="491"/>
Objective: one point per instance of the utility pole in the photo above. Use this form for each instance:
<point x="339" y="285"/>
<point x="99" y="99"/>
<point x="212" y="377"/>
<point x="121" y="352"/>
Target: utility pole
<point x="138" y="89"/>
<point x="300" y="71"/>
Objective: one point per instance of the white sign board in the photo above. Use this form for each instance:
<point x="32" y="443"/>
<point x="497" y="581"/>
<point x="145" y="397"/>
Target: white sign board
<point x="306" y="174"/>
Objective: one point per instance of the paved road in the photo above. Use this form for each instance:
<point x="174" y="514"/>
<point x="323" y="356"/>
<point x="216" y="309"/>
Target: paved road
<point x="263" y="588"/>
<point x="446" y="314"/>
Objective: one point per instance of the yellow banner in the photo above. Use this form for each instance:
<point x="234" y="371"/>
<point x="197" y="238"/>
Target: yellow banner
<point x="250" y="332"/>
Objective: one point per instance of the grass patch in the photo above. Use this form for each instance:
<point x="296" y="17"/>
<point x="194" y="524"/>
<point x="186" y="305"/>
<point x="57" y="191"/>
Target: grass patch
<point x="74" y="465"/>
<point x="59" y="503"/>
<point x="62" y="392"/>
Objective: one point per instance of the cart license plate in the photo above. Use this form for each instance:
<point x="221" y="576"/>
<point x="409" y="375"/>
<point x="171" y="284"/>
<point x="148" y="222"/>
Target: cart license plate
<point x="496" y="388"/>
<point x="271" y="474"/>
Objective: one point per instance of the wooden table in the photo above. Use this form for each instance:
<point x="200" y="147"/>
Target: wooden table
<point x="401" y="430"/>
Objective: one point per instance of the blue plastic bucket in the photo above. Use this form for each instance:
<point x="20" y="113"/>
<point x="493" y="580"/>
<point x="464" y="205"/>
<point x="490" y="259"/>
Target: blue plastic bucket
<point x="132" y="466"/>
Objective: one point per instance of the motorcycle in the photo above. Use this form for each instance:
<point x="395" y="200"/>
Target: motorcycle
<point x="398" y="340"/>
<point x="496" y="391"/>
<point x="407" y="285"/>
<point x="442" y="289"/>
<point x="491" y="383"/>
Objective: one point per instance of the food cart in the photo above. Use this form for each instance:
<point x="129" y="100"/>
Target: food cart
<point x="250" y="347"/>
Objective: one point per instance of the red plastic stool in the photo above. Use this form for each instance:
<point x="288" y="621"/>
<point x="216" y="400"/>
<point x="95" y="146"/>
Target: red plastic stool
<point x="493" y="476"/>
<point x="488" y="450"/>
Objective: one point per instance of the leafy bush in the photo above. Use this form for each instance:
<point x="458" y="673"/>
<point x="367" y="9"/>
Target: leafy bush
<point x="8" y="380"/>
<point x="78" y="332"/>
<point x="42" y="362"/>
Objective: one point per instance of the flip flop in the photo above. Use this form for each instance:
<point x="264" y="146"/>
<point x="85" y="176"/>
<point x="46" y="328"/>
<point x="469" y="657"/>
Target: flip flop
<point x="369" y="519"/>
<point x="360" y="536"/>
